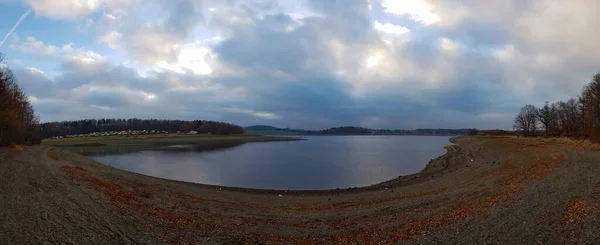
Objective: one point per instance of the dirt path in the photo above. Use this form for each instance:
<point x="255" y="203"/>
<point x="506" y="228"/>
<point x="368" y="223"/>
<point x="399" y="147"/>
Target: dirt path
<point x="483" y="191"/>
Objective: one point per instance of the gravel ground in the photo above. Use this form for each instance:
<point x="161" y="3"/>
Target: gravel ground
<point x="483" y="191"/>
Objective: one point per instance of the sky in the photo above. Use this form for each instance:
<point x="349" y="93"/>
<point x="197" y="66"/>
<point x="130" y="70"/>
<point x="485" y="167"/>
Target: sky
<point x="311" y="64"/>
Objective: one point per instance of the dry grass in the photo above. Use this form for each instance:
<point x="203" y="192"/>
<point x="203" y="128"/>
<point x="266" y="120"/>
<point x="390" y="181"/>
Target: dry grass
<point x="583" y="144"/>
<point x="18" y="148"/>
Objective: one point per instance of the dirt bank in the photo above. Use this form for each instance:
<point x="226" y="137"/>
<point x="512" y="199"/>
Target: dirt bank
<point x="485" y="190"/>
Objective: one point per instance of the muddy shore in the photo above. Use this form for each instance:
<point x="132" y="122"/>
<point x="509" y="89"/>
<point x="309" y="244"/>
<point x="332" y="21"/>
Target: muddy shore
<point x="482" y="191"/>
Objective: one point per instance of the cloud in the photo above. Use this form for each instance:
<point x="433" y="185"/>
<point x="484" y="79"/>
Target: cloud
<point x="33" y="81"/>
<point x="314" y="64"/>
<point x="33" y="46"/>
<point x="319" y="74"/>
<point x="417" y="10"/>
<point x="71" y="9"/>
<point x="390" y="28"/>
<point x="258" y="114"/>
<point x="112" y="39"/>
<point x="151" y="45"/>
<point x="100" y="89"/>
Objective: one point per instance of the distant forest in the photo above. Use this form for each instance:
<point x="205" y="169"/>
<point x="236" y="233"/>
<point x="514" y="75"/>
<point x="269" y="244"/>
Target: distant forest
<point x="576" y="118"/>
<point x="18" y="123"/>
<point x="53" y="129"/>
<point x="262" y="129"/>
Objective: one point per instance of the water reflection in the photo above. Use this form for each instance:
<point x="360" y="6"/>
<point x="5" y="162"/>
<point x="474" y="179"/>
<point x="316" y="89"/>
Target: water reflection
<point x="321" y="162"/>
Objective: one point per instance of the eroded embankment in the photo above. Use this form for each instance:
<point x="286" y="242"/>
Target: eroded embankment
<point x="503" y="189"/>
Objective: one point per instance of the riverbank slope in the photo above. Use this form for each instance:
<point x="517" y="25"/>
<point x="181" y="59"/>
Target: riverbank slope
<point x="484" y="190"/>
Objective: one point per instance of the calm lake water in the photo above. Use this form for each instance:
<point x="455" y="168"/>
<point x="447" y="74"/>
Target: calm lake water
<point x="320" y="162"/>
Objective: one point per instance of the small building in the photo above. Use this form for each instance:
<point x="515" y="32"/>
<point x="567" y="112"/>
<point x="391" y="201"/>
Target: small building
<point x="193" y="132"/>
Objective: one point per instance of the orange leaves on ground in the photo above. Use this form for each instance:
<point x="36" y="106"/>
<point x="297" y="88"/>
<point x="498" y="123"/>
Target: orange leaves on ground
<point x="52" y="154"/>
<point x="194" y="199"/>
<point x="458" y="213"/>
<point x="135" y="199"/>
<point x="342" y="206"/>
<point x="542" y="163"/>
<point x="393" y="224"/>
<point x="576" y="210"/>
<point x="114" y="192"/>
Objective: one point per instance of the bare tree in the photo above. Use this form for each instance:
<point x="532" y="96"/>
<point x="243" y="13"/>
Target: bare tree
<point x="572" y="118"/>
<point x="591" y="93"/>
<point x="544" y="116"/>
<point x="526" y="121"/>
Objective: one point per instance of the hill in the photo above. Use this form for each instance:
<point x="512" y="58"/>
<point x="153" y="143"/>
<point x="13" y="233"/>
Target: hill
<point x="270" y="130"/>
<point x="261" y="128"/>
<point x="350" y="130"/>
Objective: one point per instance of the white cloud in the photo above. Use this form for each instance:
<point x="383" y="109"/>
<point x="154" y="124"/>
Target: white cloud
<point x="449" y="46"/>
<point x="151" y="45"/>
<point x="416" y="10"/>
<point x="192" y="59"/>
<point x="64" y="9"/>
<point x="110" y="17"/>
<point x="258" y="114"/>
<point x="112" y="39"/>
<point x="34" y="46"/>
<point x="505" y="53"/>
<point x="34" y="70"/>
<point x="390" y="28"/>
<point x="37" y="100"/>
<point x="265" y="115"/>
<point x="71" y="9"/>
<point x="208" y="41"/>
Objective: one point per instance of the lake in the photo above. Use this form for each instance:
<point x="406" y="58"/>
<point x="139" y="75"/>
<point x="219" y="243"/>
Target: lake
<point x="320" y="162"/>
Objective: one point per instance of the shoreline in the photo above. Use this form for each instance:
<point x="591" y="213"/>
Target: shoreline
<point x="451" y="150"/>
<point x="483" y="189"/>
<point x="395" y="182"/>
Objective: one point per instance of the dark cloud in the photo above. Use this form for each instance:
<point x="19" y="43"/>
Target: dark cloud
<point x="184" y="15"/>
<point x="308" y="72"/>
<point x="33" y="82"/>
<point x="481" y="34"/>
<point x="270" y="49"/>
<point x="110" y="99"/>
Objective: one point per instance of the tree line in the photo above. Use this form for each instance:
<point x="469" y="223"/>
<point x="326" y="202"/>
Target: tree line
<point x="576" y="118"/>
<point x="18" y="122"/>
<point x="87" y="126"/>
<point x="350" y="130"/>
